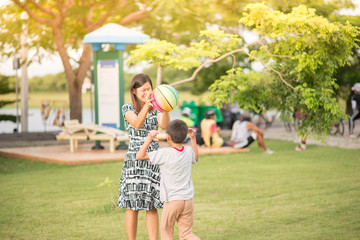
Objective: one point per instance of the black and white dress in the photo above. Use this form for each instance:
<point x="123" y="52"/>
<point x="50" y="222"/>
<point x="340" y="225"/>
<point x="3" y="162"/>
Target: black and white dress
<point x="140" y="180"/>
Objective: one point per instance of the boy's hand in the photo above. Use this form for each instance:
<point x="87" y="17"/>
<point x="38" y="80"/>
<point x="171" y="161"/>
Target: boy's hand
<point x="153" y="134"/>
<point x="191" y="133"/>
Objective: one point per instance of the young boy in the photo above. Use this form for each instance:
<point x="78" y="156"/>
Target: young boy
<point x="176" y="186"/>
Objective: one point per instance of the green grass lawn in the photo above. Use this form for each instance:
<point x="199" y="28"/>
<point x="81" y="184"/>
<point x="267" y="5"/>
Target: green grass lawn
<point x="313" y="194"/>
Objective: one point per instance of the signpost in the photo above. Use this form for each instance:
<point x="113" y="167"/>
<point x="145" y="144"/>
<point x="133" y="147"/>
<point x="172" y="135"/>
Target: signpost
<point x="16" y="66"/>
<point x="109" y="74"/>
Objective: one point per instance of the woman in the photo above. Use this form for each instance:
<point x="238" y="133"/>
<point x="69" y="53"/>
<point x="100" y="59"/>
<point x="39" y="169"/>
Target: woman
<point x="140" y="180"/>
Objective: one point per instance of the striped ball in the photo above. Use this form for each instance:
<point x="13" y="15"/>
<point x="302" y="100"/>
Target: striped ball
<point x="164" y="98"/>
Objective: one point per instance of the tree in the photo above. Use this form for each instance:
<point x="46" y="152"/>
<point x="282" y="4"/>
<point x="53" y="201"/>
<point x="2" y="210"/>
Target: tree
<point x="299" y="50"/>
<point x="61" y="26"/>
<point x="348" y="75"/>
<point x="221" y="15"/>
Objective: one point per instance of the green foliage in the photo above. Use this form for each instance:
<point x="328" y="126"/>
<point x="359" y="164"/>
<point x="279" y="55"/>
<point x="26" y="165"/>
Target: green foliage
<point x="5" y="85"/>
<point x="205" y="78"/>
<point x="302" y="52"/>
<point x="6" y="102"/>
<point x="250" y="90"/>
<point x="15" y="24"/>
<point x="211" y="44"/>
<point x="176" y="21"/>
<point x="60" y="26"/>
<point x="7" y="117"/>
<point x="49" y="82"/>
<point x="323" y="8"/>
<point x="162" y="53"/>
<point x="169" y="76"/>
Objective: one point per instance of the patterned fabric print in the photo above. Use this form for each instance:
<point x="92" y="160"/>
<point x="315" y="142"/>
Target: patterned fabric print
<point x="140" y="180"/>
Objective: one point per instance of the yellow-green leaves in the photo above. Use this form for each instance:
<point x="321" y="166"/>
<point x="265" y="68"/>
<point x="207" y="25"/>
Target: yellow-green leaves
<point x="300" y="52"/>
<point x="212" y="44"/>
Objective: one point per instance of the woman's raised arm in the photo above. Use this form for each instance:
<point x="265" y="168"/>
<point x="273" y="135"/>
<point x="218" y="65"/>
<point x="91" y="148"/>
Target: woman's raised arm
<point x="137" y="121"/>
<point x="163" y="119"/>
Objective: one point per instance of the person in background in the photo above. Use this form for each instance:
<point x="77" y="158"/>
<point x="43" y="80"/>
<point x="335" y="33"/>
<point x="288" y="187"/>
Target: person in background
<point x="185" y="116"/>
<point x="245" y="133"/>
<point x="355" y="105"/>
<point x="210" y="132"/>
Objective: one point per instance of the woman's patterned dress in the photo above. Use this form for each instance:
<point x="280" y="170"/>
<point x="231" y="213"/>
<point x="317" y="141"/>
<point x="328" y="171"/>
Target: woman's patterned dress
<point x="140" y="180"/>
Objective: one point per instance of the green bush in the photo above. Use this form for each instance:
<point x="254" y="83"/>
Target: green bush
<point x="49" y="82"/>
<point x="5" y="87"/>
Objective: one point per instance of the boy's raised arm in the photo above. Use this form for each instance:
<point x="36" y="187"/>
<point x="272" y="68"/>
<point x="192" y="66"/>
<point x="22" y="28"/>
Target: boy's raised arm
<point x="141" y="154"/>
<point x="192" y="136"/>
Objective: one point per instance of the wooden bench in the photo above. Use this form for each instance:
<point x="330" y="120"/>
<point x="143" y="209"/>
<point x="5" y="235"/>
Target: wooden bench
<point x="75" y="131"/>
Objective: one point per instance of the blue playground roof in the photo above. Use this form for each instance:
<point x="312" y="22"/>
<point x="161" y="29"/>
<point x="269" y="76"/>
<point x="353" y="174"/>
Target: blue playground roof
<point x="115" y="33"/>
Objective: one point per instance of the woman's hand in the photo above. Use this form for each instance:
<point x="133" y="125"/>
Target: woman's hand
<point x="148" y="105"/>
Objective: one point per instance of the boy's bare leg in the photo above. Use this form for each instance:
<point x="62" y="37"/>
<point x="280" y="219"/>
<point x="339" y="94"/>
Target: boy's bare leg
<point x="131" y="219"/>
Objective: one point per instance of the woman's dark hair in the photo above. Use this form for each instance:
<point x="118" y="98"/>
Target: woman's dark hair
<point x="137" y="81"/>
<point x="177" y="129"/>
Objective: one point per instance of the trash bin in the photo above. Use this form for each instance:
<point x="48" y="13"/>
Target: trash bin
<point x="198" y="111"/>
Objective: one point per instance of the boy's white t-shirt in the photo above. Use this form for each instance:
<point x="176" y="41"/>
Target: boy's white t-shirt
<point x="175" y="169"/>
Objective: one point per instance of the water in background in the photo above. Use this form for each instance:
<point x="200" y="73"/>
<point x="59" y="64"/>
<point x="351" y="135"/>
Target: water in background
<point x="36" y="124"/>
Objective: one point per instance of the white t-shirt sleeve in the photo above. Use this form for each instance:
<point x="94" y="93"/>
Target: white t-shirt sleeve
<point x="156" y="157"/>
<point x="193" y="160"/>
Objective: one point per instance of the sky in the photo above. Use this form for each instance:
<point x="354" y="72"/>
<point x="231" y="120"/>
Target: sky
<point x="53" y="64"/>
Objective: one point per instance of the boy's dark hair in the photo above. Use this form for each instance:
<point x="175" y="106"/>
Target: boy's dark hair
<point x="177" y="130"/>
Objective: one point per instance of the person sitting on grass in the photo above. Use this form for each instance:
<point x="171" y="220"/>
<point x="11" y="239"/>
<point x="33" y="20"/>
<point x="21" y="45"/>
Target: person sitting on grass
<point x="241" y="137"/>
<point x="176" y="185"/>
<point x="210" y="132"/>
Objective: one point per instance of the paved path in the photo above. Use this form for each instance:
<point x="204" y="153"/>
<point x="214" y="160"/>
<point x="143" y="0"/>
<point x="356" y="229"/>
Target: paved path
<point x="279" y="133"/>
<point x="276" y="132"/>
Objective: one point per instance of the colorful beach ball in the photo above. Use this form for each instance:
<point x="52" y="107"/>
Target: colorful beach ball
<point x="164" y="98"/>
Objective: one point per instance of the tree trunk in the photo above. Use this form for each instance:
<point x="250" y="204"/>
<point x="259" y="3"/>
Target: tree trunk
<point x="75" y="99"/>
<point x="75" y="79"/>
<point x="159" y="75"/>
